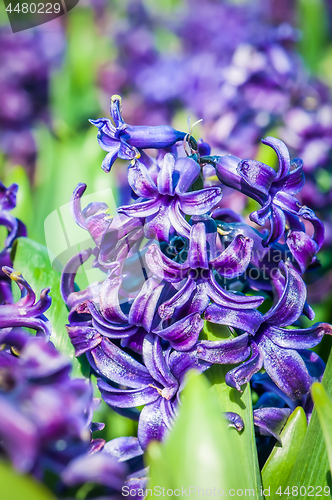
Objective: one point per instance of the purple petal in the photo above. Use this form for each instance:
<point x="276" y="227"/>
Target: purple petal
<point x="19" y="437"/>
<point x="197" y="255"/>
<point x="168" y="412"/>
<point x="189" y="171"/>
<point x="165" y="176"/>
<point x="318" y="236"/>
<point x="166" y="310"/>
<point x="118" y="366"/>
<point x="305" y="338"/>
<point x="271" y="421"/>
<point x="135" y="341"/>
<point x="278" y="224"/>
<point x="257" y="174"/>
<point x="200" y="202"/>
<point x="163" y="267"/>
<point x="110" y="158"/>
<point x="140" y="181"/>
<point x="177" y="219"/>
<point x="95" y="445"/>
<point x="144" y="306"/>
<point x="42" y="360"/>
<point x="147" y="136"/>
<point x="287" y="202"/>
<point x="151" y="425"/>
<point x="261" y="215"/>
<point x="158" y="225"/>
<point x="142" y="209"/>
<point x="183" y="334"/>
<point x="225" y="351"/>
<point x="226" y="169"/>
<point x="83" y="338"/>
<point x="116" y="112"/>
<point x="248" y="320"/>
<point x="290" y="304"/>
<point x="98" y="468"/>
<point x="286" y="368"/>
<point x="75" y="205"/>
<point x="127" y="398"/>
<point x="181" y="362"/>
<point x="154" y="360"/>
<point x="295" y="180"/>
<point x="123" y="448"/>
<point x="234" y="260"/>
<point x="231" y="299"/>
<point x="243" y="373"/>
<point x="67" y="285"/>
<point x="234" y="420"/>
<point x="302" y="247"/>
<point x="109" y="300"/>
<point x="283" y="155"/>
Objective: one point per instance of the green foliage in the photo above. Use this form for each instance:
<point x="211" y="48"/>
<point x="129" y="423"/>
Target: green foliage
<point x="200" y="450"/>
<point x="15" y="486"/>
<point x="32" y="260"/>
<point x="323" y="406"/>
<point x="280" y="463"/>
<point x="311" y="467"/>
<point x="230" y="399"/>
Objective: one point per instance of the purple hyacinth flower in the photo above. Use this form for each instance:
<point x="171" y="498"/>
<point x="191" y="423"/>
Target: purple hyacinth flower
<point x="165" y="203"/>
<point x="198" y="286"/>
<point x="45" y="417"/>
<point x="26" y="312"/>
<point x="108" y="320"/>
<point x="275" y="347"/>
<point x="156" y="384"/>
<point x="123" y="141"/>
<point x="273" y="190"/>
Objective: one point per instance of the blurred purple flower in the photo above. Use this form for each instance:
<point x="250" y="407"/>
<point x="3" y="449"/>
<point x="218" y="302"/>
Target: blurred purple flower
<point x="45" y="416"/>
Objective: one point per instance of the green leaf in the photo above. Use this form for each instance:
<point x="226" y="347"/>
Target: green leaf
<point x="232" y="400"/>
<point x="312" y="466"/>
<point x="280" y="463"/>
<point x="200" y="451"/>
<point x="32" y="260"/>
<point x="313" y="22"/>
<point x="323" y="405"/>
<point x="15" y="486"/>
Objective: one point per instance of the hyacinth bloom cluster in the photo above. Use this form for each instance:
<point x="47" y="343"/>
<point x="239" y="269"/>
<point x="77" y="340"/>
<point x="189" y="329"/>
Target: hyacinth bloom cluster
<point x="174" y="262"/>
<point x="27" y="59"/>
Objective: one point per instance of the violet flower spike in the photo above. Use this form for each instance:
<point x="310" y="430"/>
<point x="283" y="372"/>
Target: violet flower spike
<point x="156" y="384"/>
<point x="123" y="141"/>
<point x="165" y="203"/>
